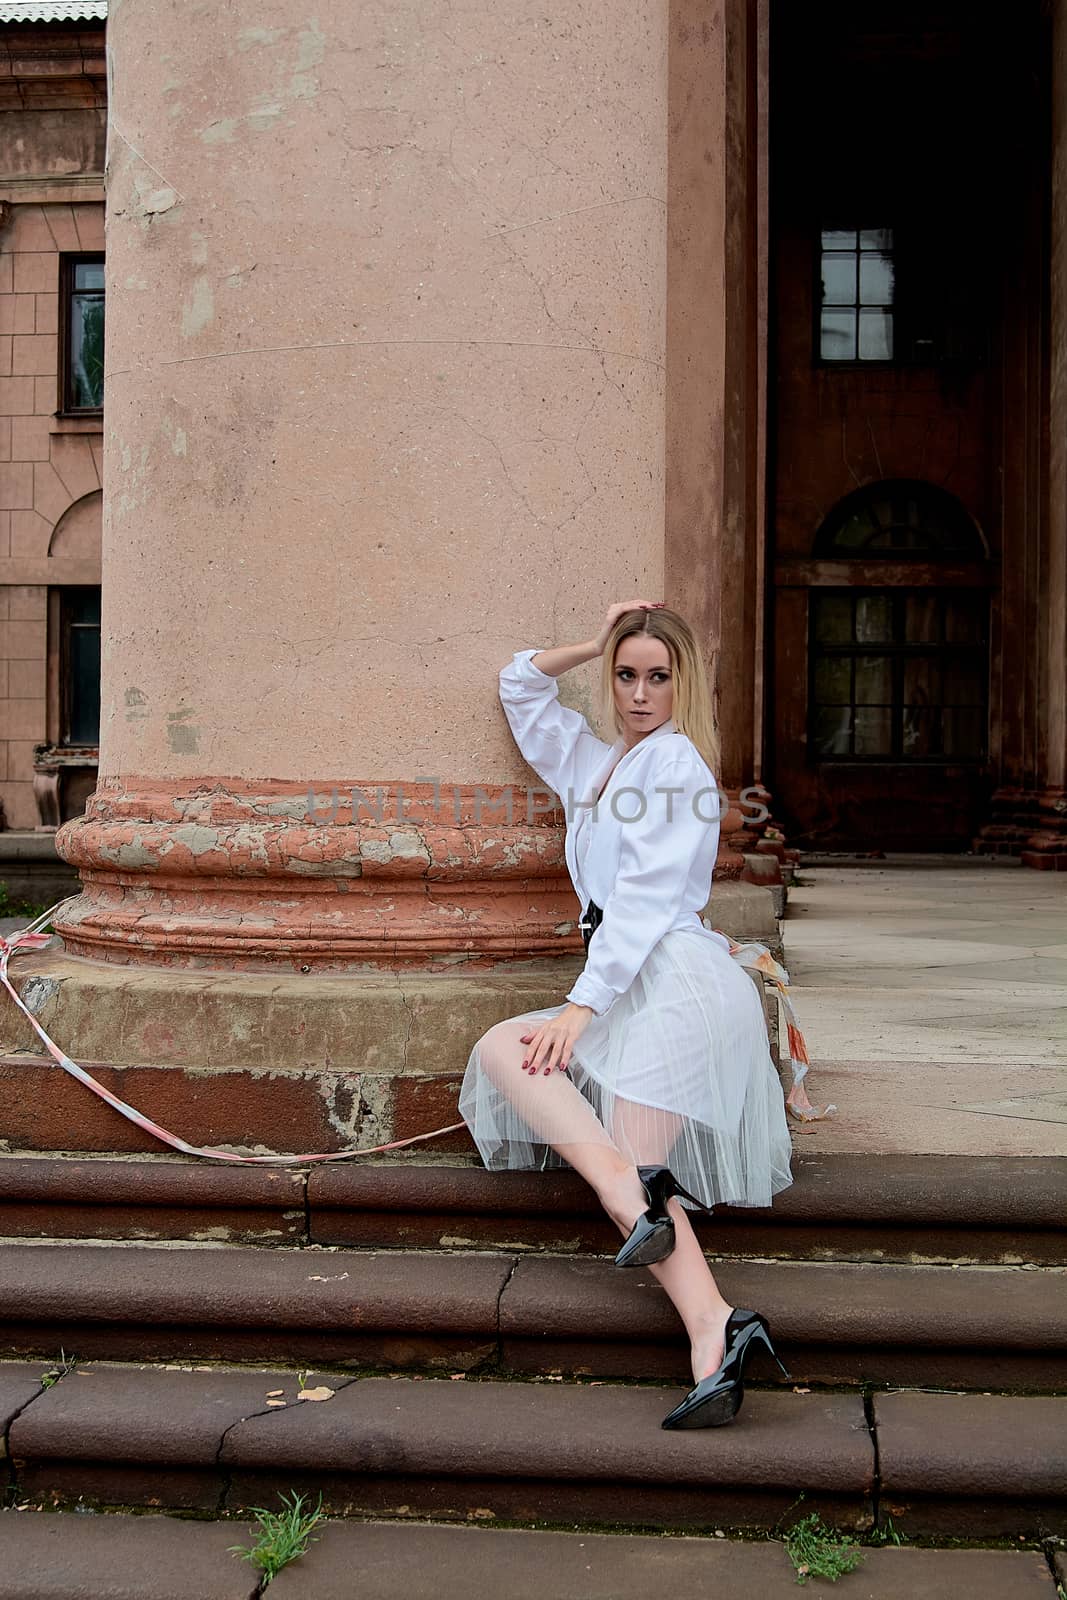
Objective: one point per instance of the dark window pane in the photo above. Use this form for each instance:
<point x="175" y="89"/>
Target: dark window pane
<point x="85" y="686"/>
<point x="920" y="618"/>
<point x="855" y="533"/>
<point x="874" y="618"/>
<point x="922" y="682"/>
<point x="837" y="336"/>
<point x="839" y="280"/>
<point x="833" y="618"/>
<point x="874" y="681"/>
<point x="963" y="733"/>
<point x="833" y="681"/>
<point x="876" y="281"/>
<point x="88" y="275"/>
<point x="83" y="605"/>
<point x="873" y="731"/>
<point x="876" y="336"/>
<point x="964" y="683"/>
<point x="876" y="239"/>
<point x="832" y="725"/>
<point x="920" y="731"/>
<point x="87" y="350"/>
<point x="965" y="619"/>
<point x="839" y="239"/>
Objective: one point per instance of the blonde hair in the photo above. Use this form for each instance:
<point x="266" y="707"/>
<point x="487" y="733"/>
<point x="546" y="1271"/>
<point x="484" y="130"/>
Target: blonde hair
<point x="692" y="713"/>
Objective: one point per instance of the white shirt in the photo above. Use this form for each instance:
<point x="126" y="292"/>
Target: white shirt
<point x="645" y="852"/>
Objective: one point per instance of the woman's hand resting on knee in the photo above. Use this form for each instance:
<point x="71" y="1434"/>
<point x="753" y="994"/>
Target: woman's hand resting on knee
<point x="551" y="1045"/>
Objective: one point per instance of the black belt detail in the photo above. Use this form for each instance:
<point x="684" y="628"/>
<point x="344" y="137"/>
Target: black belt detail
<point x="589" y="921"/>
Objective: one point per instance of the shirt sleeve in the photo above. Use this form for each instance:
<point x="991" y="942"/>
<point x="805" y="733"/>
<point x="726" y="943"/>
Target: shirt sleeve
<point x="659" y="852"/>
<point x="556" y="741"/>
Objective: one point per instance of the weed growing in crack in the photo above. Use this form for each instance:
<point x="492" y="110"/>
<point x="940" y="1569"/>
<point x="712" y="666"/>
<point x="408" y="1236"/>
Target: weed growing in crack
<point x="817" y="1551"/>
<point x="885" y="1535"/>
<point x="282" y="1536"/>
<point x="53" y="1375"/>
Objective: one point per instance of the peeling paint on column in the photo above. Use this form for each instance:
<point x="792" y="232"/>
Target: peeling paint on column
<point x="234" y="877"/>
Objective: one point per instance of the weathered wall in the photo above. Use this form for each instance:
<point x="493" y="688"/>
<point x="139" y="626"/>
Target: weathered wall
<point x="385" y="386"/>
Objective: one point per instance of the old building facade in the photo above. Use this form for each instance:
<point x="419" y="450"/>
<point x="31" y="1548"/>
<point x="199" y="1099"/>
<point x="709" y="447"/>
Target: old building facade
<point x="52" y="116"/>
<point x="760" y="306"/>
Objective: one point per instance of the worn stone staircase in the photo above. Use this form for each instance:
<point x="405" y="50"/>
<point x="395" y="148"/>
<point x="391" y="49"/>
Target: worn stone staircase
<point x="487" y="1363"/>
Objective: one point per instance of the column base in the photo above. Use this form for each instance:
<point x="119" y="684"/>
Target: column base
<point x="1030" y="824"/>
<point x="237" y="876"/>
<point x="270" y="1061"/>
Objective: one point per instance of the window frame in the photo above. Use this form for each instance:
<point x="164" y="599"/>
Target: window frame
<point x="854" y="363"/>
<point x="65" y="596"/>
<point x="898" y="651"/>
<point x="68" y="261"/>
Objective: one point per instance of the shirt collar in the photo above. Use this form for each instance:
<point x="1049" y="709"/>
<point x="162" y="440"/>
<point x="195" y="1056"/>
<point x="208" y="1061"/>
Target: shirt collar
<point x="663" y="729"/>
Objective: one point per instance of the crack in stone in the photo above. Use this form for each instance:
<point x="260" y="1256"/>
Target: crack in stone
<point x="25" y="1406"/>
<point x="268" y="1411"/>
<point x="577" y="211"/>
<point x="499" y="1302"/>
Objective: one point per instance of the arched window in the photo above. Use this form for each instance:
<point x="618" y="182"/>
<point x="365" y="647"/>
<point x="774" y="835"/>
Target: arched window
<point x="899" y="674"/>
<point x="900" y="519"/>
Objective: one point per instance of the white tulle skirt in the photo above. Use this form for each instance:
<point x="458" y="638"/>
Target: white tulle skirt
<point x="677" y="1072"/>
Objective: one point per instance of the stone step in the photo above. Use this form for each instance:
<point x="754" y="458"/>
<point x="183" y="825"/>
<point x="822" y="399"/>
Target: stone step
<point x="835" y="1323"/>
<point x="63" y="1556"/>
<point x="273" y="1107"/>
<point x="992" y="1466"/>
<point x="1002" y="1209"/>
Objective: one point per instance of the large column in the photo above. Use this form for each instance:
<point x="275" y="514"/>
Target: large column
<point x="716" y="353"/>
<point x="385" y="393"/>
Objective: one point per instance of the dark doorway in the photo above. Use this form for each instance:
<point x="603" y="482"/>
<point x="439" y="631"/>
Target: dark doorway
<point x="908" y="161"/>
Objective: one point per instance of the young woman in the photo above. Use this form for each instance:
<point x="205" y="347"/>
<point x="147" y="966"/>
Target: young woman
<point x="654" y="1079"/>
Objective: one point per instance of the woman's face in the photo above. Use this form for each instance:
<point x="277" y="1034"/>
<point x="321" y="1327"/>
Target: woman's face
<point x="643" y="685"/>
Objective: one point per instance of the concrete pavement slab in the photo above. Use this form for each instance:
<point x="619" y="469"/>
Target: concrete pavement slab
<point x="928" y="1106"/>
<point x="923" y="964"/>
<point x="394" y="1561"/>
<point x="66" y="1556"/>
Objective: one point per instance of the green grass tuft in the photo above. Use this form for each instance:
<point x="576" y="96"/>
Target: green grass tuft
<point x="817" y="1551"/>
<point x="30" y="909"/>
<point x="282" y="1535"/>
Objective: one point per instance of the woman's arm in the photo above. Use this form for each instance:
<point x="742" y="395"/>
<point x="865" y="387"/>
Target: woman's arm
<point x="554" y="739"/>
<point x="565" y="656"/>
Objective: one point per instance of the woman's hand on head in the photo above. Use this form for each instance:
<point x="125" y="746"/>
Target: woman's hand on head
<point x="616" y="611"/>
<point x="551" y="1045"/>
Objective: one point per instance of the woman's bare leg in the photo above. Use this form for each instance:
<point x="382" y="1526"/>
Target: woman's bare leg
<point x="558" y="1113"/>
<point x="648" y="1136"/>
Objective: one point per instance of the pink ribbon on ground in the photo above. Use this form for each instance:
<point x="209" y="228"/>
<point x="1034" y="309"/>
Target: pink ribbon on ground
<point x="30" y="939"/>
<point x="33" y="938"/>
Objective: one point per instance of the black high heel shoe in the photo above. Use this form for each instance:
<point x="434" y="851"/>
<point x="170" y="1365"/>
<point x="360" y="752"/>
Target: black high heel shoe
<point x="717" y="1398"/>
<point x="652" y="1236"/>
